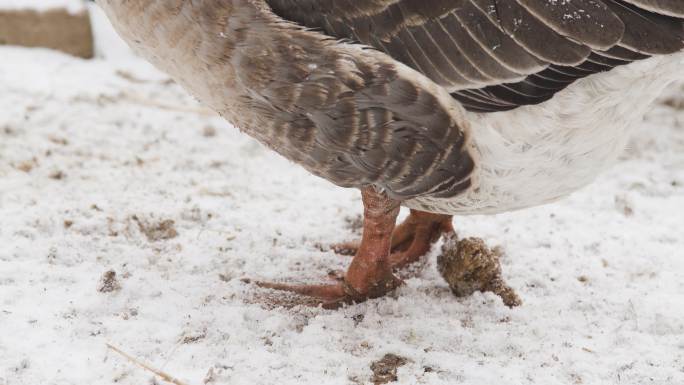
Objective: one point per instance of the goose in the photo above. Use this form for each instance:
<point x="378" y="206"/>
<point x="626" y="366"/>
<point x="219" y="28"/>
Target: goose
<point x="446" y="107"/>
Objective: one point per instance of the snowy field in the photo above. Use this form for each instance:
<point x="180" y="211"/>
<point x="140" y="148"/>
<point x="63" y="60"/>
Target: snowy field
<point x="106" y="165"/>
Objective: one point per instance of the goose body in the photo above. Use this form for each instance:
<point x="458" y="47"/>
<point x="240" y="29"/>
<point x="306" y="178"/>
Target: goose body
<point x="444" y="106"/>
<point x="538" y="154"/>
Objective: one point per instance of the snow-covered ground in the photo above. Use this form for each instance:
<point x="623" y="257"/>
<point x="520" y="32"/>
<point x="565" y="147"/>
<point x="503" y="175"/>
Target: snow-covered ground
<point x="97" y="157"/>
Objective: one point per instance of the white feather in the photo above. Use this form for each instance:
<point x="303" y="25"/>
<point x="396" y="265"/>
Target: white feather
<point x="537" y="154"/>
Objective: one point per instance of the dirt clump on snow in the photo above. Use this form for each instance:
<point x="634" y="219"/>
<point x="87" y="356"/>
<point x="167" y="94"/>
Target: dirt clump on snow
<point x="192" y="338"/>
<point x="57" y="175"/>
<point x="469" y="265"/>
<point x="385" y="369"/>
<point x="674" y="103"/>
<point x="156" y="230"/>
<point x="354" y="223"/>
<point x="109" y="283"/>
<point x="54" y="28"/>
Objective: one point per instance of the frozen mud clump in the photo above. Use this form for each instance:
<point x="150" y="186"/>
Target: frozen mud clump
<point x="469" y="265"/>
<point x="385" y="369"/>
<point x="109" y="283"/>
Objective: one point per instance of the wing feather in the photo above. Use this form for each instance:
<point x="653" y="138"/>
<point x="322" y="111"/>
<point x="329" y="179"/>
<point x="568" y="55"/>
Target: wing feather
<point x="531" y="34"/>
<point x="515" y="52"/>
<point x="587" y="21"/>
<point x="674" y="8"/>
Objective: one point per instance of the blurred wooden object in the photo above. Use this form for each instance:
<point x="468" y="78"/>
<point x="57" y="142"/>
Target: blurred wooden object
<point x="55" y="28"/>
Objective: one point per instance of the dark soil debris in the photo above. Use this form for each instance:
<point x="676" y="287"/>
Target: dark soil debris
<point x="57" y="175"/>
<point x="354" y="223"/>
<point x="109" y="283"/>
<point x="674" y="103"/>
<point x="209" y="131"/>
<point x="193" y="338"/>
<point x="469" y="265"/>
<point x="358" y="318"/>
<point x="623" y="205"/>
<point x="26" y="166"/>
<point x="385" y="369"/>
<point x="157" y="230"/>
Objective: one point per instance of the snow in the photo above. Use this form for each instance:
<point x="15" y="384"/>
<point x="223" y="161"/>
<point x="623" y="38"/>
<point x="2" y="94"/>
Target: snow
<point x="72" y="6"/>
<point x="94" y="152"/>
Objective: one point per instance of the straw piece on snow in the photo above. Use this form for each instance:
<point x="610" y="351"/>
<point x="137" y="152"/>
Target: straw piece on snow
<point x="163" y="375"/>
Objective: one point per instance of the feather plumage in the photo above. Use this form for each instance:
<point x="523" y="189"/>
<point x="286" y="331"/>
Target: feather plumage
<point x="502" y="49"/>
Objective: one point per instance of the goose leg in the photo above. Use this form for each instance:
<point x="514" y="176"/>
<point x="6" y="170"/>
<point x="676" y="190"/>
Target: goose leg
<point x="412" y="239"/>
<point x="417" y="233"/>
<point x="370" y="273"/>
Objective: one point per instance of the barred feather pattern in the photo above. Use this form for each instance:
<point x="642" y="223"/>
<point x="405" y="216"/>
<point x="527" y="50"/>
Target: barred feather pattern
<point x="351" y="115"/>
<point x="452" y="106"/>
<point x="498" y="55"/>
